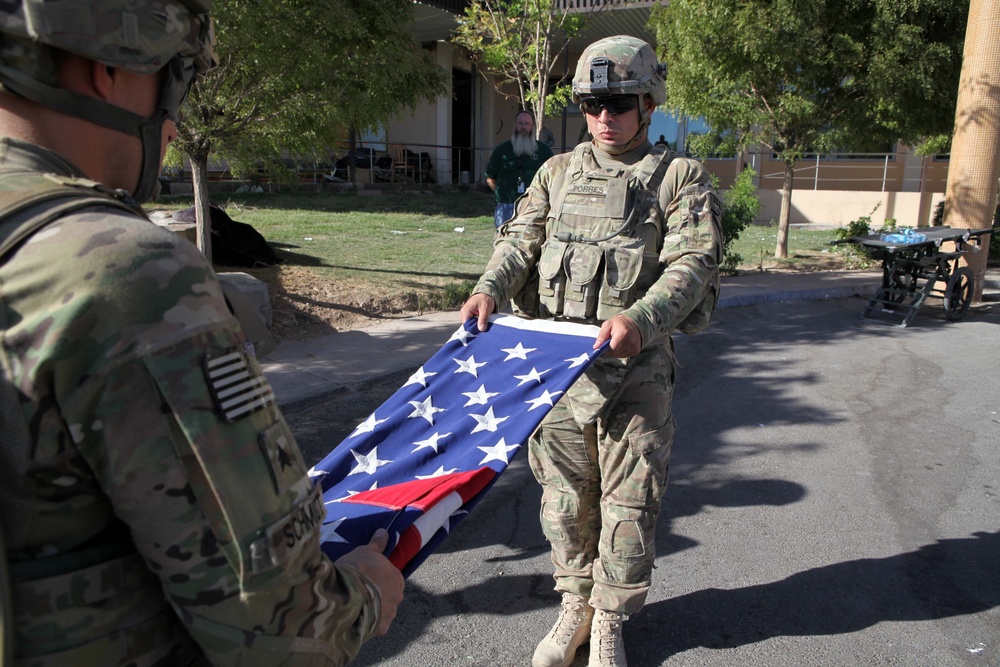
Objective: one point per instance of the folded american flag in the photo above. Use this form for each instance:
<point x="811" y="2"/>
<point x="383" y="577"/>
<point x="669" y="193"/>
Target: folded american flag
<point x="422" y="460"/>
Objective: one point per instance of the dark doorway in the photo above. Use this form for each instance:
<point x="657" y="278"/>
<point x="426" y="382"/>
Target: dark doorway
<point x="461" y="124"/>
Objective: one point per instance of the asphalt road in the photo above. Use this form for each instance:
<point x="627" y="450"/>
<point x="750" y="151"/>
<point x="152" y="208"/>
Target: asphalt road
<point x="834" y="501"/>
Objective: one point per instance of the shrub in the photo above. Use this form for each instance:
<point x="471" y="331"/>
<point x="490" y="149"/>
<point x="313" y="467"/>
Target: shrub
<point x="740" y="207"/>
<point x="855" y="256"/>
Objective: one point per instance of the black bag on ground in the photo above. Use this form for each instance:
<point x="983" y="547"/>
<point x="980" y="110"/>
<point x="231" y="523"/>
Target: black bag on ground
<point x="234" y="243"/>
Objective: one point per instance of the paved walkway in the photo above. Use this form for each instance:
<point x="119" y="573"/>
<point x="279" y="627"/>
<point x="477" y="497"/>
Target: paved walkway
<point x="350" y="360"/>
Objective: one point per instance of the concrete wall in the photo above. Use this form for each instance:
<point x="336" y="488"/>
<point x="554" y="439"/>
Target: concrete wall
<point x="840" y="207"/>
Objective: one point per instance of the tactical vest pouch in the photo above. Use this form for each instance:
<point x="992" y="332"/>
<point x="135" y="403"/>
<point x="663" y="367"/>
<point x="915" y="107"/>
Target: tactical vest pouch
<point x="622" y="266"/>
<point x="581" y="264"/>
<point x="551" y="278"/>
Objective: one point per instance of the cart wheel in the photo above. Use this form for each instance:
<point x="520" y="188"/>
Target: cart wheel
<point x="958" y="294"/>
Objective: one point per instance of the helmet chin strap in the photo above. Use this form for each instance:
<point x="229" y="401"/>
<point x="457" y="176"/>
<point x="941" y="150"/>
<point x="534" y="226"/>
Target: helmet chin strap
<point x="150" y="136"/>
<point x="147" y="130"/>
<point x="640" y="136"/>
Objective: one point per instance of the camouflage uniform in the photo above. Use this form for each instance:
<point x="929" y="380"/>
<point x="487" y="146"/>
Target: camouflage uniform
<point x="602" y="453"/>
<point x="150" y="518"/>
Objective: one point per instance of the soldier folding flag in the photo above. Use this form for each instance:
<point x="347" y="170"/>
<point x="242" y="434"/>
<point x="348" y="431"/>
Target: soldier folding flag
<point x="423" y="459"/>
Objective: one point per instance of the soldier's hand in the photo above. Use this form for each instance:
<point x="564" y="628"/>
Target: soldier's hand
<point x="383" y="574"/>
<point x="480" y="306"/>
<point x="626" y="341"/>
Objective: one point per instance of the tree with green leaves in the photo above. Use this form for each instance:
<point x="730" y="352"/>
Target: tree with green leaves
<point x="520" y="42"/>
<point x="293" y="76"/>
<point x="800" y="76"/>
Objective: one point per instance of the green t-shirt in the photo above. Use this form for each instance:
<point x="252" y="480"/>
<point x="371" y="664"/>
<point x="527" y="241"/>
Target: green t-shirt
<point x="504" y="167"/>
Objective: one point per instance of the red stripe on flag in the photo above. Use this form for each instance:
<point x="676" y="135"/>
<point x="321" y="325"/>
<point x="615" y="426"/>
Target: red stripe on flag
<point x="424" y="493"/>
<point x="408" y="547"/>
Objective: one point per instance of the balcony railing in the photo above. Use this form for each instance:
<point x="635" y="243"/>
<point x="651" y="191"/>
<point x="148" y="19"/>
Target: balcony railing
<point x="453" y="6"/>
<point x="588" y="5"/>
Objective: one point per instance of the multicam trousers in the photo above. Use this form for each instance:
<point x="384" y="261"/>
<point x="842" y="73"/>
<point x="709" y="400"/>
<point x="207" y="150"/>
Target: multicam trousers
<point x="602" y="484"/>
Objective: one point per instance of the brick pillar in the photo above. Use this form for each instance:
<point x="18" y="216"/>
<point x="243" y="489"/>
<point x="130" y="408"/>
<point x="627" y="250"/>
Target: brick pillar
<point x="974" y="169"/>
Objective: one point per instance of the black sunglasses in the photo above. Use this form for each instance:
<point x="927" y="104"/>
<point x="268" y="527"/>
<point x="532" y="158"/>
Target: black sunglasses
<point x="615" y="104"/>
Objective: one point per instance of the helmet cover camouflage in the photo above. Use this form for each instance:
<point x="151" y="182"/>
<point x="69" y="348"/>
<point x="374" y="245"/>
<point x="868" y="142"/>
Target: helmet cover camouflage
<point x="619" y="65"/>
<point x="142" y="36"/>
<point x="138" y="35"/>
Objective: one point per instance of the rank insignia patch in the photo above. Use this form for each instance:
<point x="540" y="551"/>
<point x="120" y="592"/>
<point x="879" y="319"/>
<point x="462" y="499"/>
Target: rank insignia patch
<point x="284" y="460"/>
<point x="237" y="384"/>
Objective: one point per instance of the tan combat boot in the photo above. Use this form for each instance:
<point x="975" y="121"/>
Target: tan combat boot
<point x="606" y="647"/>
<point x="572" y="629"/>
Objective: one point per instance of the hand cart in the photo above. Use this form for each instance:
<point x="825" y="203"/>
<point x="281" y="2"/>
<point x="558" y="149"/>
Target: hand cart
<point x="915" y="267"/>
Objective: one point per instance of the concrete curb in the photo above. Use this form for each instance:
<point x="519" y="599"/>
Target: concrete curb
<point x="303" y="373"/>
<point x="822" y="294"/>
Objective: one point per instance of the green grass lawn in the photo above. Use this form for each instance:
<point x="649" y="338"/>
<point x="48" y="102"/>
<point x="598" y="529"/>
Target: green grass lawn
<point x="396" y="242"/>
<point x="422" y="242"/>
<point x="808" y="249"/>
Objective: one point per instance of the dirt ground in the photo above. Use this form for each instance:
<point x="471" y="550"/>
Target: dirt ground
<point x="304" y="307"/>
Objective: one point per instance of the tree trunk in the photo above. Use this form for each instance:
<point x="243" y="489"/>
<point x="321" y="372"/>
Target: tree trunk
<point x="781" y="247"/>
<point x="971" y="194"/>
<point x="199" y="178"/>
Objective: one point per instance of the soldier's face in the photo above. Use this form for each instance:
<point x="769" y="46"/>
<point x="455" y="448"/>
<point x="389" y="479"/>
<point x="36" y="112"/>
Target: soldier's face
<point x="614" y="129"/>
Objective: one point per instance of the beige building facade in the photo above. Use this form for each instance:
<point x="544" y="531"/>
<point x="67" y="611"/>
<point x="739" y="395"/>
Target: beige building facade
<point x="458" y="131"/>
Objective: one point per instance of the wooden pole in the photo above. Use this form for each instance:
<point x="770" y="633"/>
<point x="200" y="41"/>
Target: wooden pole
<point x="974" y="169"/>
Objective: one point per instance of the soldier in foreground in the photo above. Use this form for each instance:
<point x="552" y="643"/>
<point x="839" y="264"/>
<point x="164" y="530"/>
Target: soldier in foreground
<point x="625" y="235"/>
<point x="155" y="507"/>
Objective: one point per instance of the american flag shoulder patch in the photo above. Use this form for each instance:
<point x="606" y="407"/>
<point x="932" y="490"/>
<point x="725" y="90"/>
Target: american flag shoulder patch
<point x="237" y="383"/>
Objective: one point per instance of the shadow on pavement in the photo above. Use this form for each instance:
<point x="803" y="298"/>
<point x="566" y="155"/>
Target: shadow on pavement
<point x="951" y="577"/>
<point x="755" y="357"/>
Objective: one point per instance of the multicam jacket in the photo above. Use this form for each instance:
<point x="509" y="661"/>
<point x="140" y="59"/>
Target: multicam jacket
<point x="562" y="243"/>
<point x="597" y="235"/>
<point x="155" y="506"/>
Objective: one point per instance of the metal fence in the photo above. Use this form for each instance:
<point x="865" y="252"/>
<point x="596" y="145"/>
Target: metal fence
<point x="442" y="164"/>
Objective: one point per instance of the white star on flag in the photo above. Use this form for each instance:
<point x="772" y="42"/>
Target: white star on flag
<point x="440" y="472"/>
<point x="424" y="409"/>
<point x="463" y="336"/>
<point x="367" y="463"/>
<point x="428" y="454"/>
<point x="488" y="421"/>
<point x="517" y="352"/>
<point x="479" y="396"/>
<point x="328" y="532"/>
<point x="578" y="361"/>
<point x="353" y="493"/>
<point x="498" y="452"/>
<point x="367" y="426"/>
<point x="419" y="377"/>
<point x="533" y="376"/>
<point x="545" y="399"/>
<point x="469" y="366"/>
<point x="431" y="442"/>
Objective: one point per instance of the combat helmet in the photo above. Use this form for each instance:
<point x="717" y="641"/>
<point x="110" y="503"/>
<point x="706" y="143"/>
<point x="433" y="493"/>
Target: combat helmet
<point x="141" y="36"/>
<point x="619" y="65"/>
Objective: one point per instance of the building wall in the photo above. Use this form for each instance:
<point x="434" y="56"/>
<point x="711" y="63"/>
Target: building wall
<point x="826" y="192"/>
<point x="839" y="207"/>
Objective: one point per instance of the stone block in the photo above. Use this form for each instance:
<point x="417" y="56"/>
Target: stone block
<point x="255" y="290"/>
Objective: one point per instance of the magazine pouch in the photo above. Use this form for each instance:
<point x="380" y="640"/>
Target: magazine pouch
<point x="551" y="278"/>
<point x="622" y="266"/>
<point x="581" y="264"/>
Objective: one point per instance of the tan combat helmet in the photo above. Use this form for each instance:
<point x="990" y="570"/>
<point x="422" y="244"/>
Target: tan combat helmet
<point x="619" y="65"/>
<point x="142" y="36"/>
